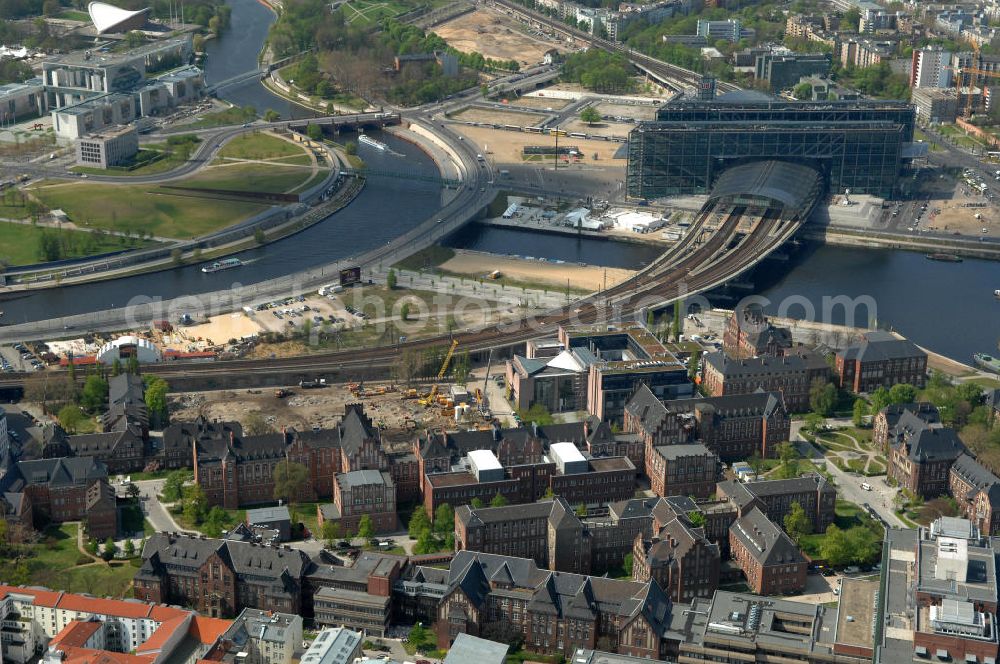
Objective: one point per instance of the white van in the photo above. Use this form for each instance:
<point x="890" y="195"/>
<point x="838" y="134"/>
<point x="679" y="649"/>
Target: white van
<point x="866" y="486"/>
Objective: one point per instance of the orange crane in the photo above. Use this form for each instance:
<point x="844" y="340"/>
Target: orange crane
<point x="429" y="399"/>
<point x="965" y="103"/>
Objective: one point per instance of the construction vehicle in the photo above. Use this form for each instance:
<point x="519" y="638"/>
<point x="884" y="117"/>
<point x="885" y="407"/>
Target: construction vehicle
<point x="432" y="396"/>
<point x="281" y="393"/>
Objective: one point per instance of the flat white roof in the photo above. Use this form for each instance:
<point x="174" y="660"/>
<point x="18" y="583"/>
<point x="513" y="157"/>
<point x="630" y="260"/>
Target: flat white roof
<point x="484" y="460"/>
<point x="567" y="452"/>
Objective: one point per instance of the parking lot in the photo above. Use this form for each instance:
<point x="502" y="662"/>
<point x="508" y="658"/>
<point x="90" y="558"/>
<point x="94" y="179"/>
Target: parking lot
<point x="19" y="358"/>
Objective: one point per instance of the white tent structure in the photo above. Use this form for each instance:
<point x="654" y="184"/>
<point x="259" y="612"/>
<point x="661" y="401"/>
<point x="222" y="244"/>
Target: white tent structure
<point x="108" y="18"/>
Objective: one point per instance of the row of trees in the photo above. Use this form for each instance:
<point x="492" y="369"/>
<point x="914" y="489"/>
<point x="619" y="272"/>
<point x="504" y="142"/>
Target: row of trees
<point x="598" y="70"/>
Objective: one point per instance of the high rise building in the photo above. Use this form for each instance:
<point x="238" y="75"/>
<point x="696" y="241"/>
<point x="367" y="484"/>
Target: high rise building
<point x="930" y="68"/>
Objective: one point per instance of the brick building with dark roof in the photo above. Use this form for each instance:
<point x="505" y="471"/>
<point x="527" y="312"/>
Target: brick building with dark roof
<point x="791" y="374"/>
<point x="880" y="359"/>
<point x="775" y="498"/>
<point x="921" y="454"/>
<point x="748" y="334"/>
<point x="733" y="427"/>
<point x="770" y="560"/>
<point x="680" y="559"/>
<point x="220" y="578"/>
<point x="361" y="493"/>
<point x="886" y="420"/>
<point x="682" y="470"/>
<point x="977" y="492"/>
<point x="555" y="612"/>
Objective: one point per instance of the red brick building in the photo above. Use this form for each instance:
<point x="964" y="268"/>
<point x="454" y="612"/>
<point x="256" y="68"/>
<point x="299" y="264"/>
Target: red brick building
<point x="880" y="359"/>
<point x="65" y="489"/>
<point x="359" y="493"/>
<point x="921" y="455"/>
<point x="682" y="470"/>
<point x="775" y="498"/>
<point x="885" y="420"/>
<point x="679" y="559"/>
<point x="977" y="492"/>
<point x="748" y="334"/>
<point x="733" y="427"/>
<point x="770" y="560"/>
<point x="791" y="374"/>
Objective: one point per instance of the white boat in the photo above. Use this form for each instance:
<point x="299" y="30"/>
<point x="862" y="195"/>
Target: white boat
<point x="371" y="142"/>
<point x="996" y="293"/>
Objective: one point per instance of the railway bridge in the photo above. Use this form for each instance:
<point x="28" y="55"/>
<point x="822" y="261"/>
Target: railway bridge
<point x="753" y="209"/>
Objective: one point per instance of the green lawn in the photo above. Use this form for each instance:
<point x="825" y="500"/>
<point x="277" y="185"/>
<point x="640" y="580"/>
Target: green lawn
<point x="251" y="177"/>
<point x="19" y="243"/>
<point x="14" y="211"/>
<point x="74" y="15"/>
<point x="144" y="208"/>
<point x="258" y="146"/>
<point x="985" y="383"/>
<point x="154" y="161"/>
<point x="53" y="562"/>
<point x="370" y="12"/>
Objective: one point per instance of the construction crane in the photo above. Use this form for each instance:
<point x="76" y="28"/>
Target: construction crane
<point x="486" y="382"/>
<point x="429" y="399"/>
<point x="965" y="99"/>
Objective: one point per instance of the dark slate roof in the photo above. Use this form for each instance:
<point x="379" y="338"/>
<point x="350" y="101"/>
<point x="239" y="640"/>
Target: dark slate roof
<point x="650" y="411"/>
<point x="926" y="442"/>
<point x="766" y="364"/>
<point x="801" y="484"/>
<point x="103" y="444"/>
<point x="676" y="538"/>
<point x="357" y="478"/>
<point x="975" y="474"/>
<point x="354" y="428"/>
<point x="562" y="516"/>
<point x="182" y="434"/>
<point x="65" y="471"/>
<point x="126" y="388"/>
<point x="559" y="593"/>
<point x="927" y="412"/>
<point x="478" y="516"/>
<point x="878" y="345"/>
<point x="766" y="542"/>
<point x="633" y="508"/>
<point x="186" y="551"/>
<point x="529" y="366"/>
<point x="678" y="451"/>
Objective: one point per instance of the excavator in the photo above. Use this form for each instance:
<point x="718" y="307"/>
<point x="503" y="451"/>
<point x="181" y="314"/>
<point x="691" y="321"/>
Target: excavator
<point x="430" y="398"/>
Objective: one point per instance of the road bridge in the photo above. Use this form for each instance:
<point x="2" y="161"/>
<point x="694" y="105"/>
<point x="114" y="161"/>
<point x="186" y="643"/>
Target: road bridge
<point x="753" y="211"/>
<point x="338" y="123"/>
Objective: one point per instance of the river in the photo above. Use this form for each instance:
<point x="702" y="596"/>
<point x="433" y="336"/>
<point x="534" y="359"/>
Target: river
<point x="948" y="308"/>
<point x="385" y="209"/>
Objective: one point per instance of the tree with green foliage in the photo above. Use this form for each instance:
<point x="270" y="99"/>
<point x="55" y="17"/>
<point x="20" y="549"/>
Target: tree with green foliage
<point x="902" y="393"/>
<point x="173" y="486"/>
<point x="109" y="549"/>
<point x="537" y="414"/>
<point x="822" y="397"/>
<point x="581" y="510"/>
<point x="789" y="456"/>
<point x="835" y="547"/>
<point x="598" y="70"/>
<point x="259" y="236"/>
<point x="330" y="533"/>
<point x="271" y="115"/>
<point x="797" y="523"/>
<point x="116" y="367"/>
<point x="756" y="462"/>
<point x="350" y="148"/>
<point x="444" y="519"/>
<point x="879" y="399"/>
<point x="851" y="20"/>
<point x="94" y="394"/>
<point x="419" y="523"/>
<point x="255" y="424"/>
<point x="803" y="91"/>
<point x="498" y="500"/>
<point x="365" y="528"/>
<point x="693" y="364"/>
<point x="696" y="518"/>
<point x="71" y="417"/>
<point x="859" y="412"/>
<point x="478" y="503"/>
<point x="591" y="115"/>
<point x="129" y="548"/>
<point x="629" y="564"/>
<point x="91" y="547"/>
<point x="156" y="402"/>
<point x="390" y="280"/>
<point x="314" y="132"/>
<point x="290" y="479"/>
<point x="195" y="504"/>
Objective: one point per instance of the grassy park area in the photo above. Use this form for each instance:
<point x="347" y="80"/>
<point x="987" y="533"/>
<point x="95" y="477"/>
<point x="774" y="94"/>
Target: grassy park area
<point x="251" y="177"/>
<point x="259" y="146"/>
<point x="22" y="244"/>
<point x="56" y="562"/>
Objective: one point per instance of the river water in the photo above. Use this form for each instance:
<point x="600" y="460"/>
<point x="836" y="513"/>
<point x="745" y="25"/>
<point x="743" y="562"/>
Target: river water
<point x="946" y="307"/>
<point x="385" y="209"/>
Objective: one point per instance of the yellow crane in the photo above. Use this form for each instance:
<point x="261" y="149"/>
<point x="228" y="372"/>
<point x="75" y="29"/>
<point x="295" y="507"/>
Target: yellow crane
<point x="429" y="399"/>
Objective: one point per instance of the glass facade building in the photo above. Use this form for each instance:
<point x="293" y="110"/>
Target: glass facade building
<point x="856" y="145"/>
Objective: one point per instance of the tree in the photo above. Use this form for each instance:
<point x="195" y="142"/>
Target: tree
<point x="271" y="115"/>
<point x="404" y="311"/>
<point x="132" y="490"/>
<point x="822" y="397"/>
<point x="70" y="417"/>
<point x="696" y="518"/>
<point x="477" y="503"/>
<point x="693" y="362"/>
<point x="538" y="414"/>
<point x="350" y="148"/>
<point x="109" y="549"/>
<point x="314" y="132"/>
<point x="628" y="564"/>
<point x="173" y="486"/>
<point x="756" y="462"/>
<point x="129" y="548"/>
<point x="498" y="500"/>
<point x="156" y="402"/>
<point x="116" y="367"/>
<point x="195" y="504"/>
<point x="789" y="456"/>
<point x="95" y="391"/>
<point x="330" y="533"/>
<point x="902" y="393"/>
<point x="590" y="115"/>
<point x="390" y="279"/>
<point x="581" y="510"/>
<point x="851" y="20"/>
<point x="859" y="412"/>
<point x="419" y="523"/>
<point x="255" y="424"/>
<point x="91" y="547"/>
<point x="259" y="236"/>
<point x="444" y="519"/>
<point x="803" y="91"/>
<point x="835" y="547"/>
<point x="365" y="527"/>
<point x="797" y="523"/>
<point x="290" y="479"/>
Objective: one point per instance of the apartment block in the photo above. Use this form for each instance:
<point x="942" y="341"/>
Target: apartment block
<point x="880" y="359"/>
<point x="682" y="470"/>
<point x="775" y="498"/>
<point x="770" y="560"/>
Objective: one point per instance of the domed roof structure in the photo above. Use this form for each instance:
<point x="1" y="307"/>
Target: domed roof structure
<point x="108" y="18"/>
<point x="128" y="346"/>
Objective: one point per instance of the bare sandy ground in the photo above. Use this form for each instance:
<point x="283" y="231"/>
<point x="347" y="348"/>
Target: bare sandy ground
<point x="506" y="146"/>
<point x="636" y="112"/>
<point x="218" y="330"/>
<point x="590" y="278"/>
<point x="617" y="129"/>
<point x="494" y="36"/>
<point x="511" y="117"/>
<point x="541" y="103"/>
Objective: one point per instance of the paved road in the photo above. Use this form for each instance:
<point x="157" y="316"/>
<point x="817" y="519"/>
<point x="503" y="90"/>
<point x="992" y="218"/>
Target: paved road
<point x="849" y="484"/>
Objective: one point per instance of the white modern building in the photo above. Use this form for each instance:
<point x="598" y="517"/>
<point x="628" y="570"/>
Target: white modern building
<point x="930" y="68"/>
<point x="336" y="645"/>
<point x="114" y="147"/>
<point x="110" y="19"/>
<point x="21" y="100"/>
<point x="93" y="115"/>
<point x="124" y="348"/>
